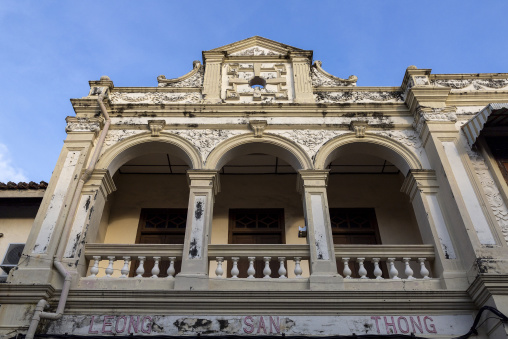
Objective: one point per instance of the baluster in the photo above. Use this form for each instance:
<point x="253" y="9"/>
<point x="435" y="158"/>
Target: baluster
<point x="155" y="269"/>
<point x="393" y="271"/>
<point x="408" y="271"/>
<point x="423" y="270"/>
<point x="298" y="268"/>
<point x="251" y="270"/>
<point x="95" y="268"/>
<point x="125" y="268"/>
<point x="171" y="269"/>
<point x="234" y="270"/>
<point x="347" y="271"/>
<point x="282" y="270"/>
<point x="362" y="272"/>
<point x="141" y="268"/>
<point x="377" y="270"/>
<point x="267" y="271"/>
<point x="109" y="269"/>
<point x="219" y="271"/>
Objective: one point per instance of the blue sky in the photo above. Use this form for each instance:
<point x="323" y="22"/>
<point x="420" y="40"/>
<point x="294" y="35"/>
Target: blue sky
<point x="50" y="49"/>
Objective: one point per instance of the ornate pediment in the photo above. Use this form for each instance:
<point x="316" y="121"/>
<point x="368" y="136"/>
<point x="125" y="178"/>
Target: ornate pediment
<point x="257" y="46"/>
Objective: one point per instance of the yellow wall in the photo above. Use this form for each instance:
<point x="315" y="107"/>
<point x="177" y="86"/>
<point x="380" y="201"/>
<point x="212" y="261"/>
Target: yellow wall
<point x="15" y="223"/>
<point x="396" y="220"/>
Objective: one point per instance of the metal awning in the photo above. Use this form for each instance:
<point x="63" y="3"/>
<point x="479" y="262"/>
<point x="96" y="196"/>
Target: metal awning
<point x="492" y="115"/>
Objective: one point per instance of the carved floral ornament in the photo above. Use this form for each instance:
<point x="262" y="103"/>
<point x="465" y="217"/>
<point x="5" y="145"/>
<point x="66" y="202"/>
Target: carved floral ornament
<point x="155" y="97"/>
<point x="443" y="114"/>
<point x="491" y="190"/>
<point x="357" y="96"/>
<point x="82" y="125"/>
<point x="465" y="85"/>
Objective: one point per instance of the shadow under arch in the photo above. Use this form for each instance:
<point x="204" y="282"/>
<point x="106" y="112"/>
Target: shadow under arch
<point x="269" y="144"/>
<point x="375" y="145"/>
<point x="144" y="143"/>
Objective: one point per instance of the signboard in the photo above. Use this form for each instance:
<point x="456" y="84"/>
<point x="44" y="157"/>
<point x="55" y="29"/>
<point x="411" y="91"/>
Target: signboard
<point x="146" y="325"/>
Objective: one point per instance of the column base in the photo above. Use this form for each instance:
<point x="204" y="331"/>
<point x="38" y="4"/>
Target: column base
<point x="326" y="282"/>
<point x="190" y="282"/>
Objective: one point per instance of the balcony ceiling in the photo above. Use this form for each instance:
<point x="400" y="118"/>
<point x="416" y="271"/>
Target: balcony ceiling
<point x="257" y="164"/>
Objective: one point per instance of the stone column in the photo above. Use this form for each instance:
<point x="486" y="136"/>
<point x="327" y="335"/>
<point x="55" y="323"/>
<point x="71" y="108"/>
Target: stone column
<point x="45" y="235"/>
<point x="312" y="186"/>
<point x="302" y="78"/>
<point x="87" y="219"/>
<point x="423" y="190"/>
<point x="212" y="80"/>
<point x="204" y="184"/>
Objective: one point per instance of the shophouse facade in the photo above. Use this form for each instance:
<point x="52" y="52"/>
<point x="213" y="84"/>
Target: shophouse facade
<point x="260" y="195"/>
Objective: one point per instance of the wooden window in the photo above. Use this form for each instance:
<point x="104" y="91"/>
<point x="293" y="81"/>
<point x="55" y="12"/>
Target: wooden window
<point x="160" y="226"/>
<point x="256" y="226"/>
<point x="355" y="226"/>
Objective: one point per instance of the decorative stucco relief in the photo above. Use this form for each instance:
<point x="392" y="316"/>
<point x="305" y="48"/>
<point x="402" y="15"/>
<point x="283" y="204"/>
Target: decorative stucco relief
<point x="356" y="96"/>
<point x="206" y="140"/>
<point x="465" y="85"/>
<point x="410" y="139"/>
<point x="491" y="191"/>
<point x="155" y="98"/>
<point x="434" y="114"/>
<point x="254" y="51"/>
<point x="310" y="140"/>
<point x="115" y="136"/>
<point x="82" y="125"/>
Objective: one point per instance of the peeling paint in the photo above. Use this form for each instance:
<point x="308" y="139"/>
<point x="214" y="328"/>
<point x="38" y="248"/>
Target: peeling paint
<point x="318" y="220"/>
<point x="56" y="203"/>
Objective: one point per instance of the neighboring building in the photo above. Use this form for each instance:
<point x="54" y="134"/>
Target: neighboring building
<point x="373" y="210"/>
<point x="18" y="206"/>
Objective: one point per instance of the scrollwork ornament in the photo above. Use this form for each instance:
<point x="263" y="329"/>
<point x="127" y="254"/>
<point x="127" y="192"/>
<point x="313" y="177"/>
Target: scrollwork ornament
<point x="491" y="190"/>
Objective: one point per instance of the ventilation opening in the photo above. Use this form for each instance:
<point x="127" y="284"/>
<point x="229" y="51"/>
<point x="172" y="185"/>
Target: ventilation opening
<point x="257" y="82"/>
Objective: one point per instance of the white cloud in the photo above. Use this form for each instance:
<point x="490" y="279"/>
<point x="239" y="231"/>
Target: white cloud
<point x="7" y="171"/>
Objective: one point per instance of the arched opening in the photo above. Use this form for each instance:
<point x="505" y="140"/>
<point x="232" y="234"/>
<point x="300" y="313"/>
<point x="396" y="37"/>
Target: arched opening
<point x="258" y="203"/>
<point x="150" y="203"/>
<point x="366" y="204"/>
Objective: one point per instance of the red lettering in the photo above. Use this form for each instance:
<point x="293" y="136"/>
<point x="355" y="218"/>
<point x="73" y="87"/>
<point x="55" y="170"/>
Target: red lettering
<point x="148" y="328"/>
<point x="107" y="322"/>
<point x="432" y="328"/>
<point x="133" y="324"/>
<point x="415" y="325"/>
<point x="392" y="324"/>
<point x="118" y="322"/>
<point x="275" y="325"/>
<point x="250" y="325"/>
<point x="400" y="327"/>
<point x="261" y="324"/>
<point x="90" y="329"/>
<point x="376" y="318"/>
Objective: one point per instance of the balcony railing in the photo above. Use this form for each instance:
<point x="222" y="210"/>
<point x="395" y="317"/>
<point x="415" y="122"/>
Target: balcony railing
<point x="398" y="258"/>
<point x="355" y="261"/>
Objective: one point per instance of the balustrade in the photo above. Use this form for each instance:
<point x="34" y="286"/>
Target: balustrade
<point x="390" y="262"/>
<point x="368" y="261"/>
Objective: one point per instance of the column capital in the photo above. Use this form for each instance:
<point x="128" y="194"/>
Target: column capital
<point x="423" y="180"/>
<point x="100" y="180"/>
<point x="204" y="179"/>
<point x="312" y="179"/>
